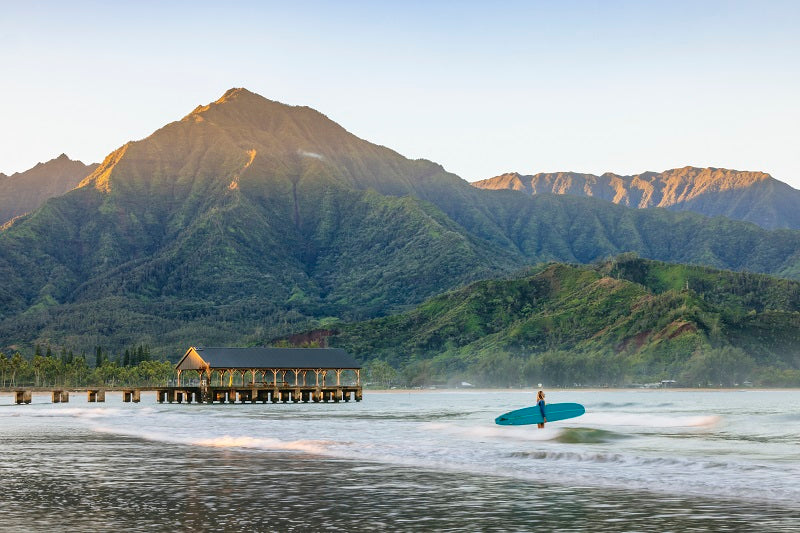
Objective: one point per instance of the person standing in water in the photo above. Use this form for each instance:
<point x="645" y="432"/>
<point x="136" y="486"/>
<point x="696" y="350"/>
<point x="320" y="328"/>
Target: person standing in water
<point x="540" y="403"/>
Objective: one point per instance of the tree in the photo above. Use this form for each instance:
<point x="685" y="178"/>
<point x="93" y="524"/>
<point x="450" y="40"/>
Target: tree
<point x="17" y="366"/>
<point x="498" y="369"/>
<point x="724" y="366"/>
<point x="37" y="363"/>
<point x="53" y="371"/>
<point x="78" y="371"/>
<point x="381" y="372"/>
<point x="5" y="366"/>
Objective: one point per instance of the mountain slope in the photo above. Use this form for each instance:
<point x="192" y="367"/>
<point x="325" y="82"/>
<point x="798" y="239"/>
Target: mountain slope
<point x="248" y="219"/>
<point x="245" y="216"/>
<point x="751" y="196"/>
<point x="623" y="320"/>
<point x="23" y="192"/>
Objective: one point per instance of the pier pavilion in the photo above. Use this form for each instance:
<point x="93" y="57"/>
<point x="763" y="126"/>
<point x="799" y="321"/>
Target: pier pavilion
<point x="265" y="374"/>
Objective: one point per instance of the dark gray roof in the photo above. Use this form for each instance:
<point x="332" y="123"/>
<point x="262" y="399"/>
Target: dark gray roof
<point x="277" y="358"/>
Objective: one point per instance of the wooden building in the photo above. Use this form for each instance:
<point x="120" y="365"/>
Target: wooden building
<point x="265" y="374"/>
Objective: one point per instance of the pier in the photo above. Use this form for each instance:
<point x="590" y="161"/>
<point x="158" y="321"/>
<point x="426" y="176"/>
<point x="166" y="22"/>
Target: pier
<point x="241" y="375"/>
<point x="258" y="394"/>
<point x="228" y="375"/>
<point x="197" y="394"/>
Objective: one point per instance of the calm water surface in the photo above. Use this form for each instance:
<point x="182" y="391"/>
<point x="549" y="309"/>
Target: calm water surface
<point x="636" y="461"/>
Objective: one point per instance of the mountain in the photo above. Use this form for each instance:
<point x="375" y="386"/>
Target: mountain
<point x="245" y="216"/>
<point x="752" y="196"/>
<point x="249" y="219"/>
<point x="614" y="322"/>
<point x="23" y="192"/>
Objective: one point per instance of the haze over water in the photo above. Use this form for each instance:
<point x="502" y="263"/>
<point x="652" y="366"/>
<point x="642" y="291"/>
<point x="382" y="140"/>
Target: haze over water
<point x="638" y="460"/>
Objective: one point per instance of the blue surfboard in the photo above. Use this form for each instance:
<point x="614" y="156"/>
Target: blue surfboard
<point x="532" y="415"/>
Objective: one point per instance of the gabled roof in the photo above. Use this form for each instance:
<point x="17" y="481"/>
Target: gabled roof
<point x="287" y="358"/>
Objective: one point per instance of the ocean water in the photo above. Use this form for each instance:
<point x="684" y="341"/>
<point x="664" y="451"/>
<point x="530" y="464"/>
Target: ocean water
<point x="405" y="461"/>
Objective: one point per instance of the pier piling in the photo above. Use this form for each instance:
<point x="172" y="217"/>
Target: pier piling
<point x="96" y="395"/>
<point x="22" y="396"/>
<point x="132" y="395"/>
<point x="225" y="394"/>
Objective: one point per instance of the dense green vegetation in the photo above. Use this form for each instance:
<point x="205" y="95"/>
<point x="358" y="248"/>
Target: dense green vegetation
<point x="612" y="323"/>
<point x="249" y="219"/>
<point x="133" y="368"/>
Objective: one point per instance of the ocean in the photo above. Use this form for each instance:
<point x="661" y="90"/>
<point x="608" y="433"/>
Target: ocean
<point x="638" y="460"/>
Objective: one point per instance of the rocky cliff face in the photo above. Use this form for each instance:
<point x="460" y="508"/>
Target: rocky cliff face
<point x="741" y="195"/>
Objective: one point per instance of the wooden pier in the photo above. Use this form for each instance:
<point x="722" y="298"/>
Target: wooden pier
<point x="197" y="394"/>
<point x="243" y="375"/>
<point x="258" y="394"/>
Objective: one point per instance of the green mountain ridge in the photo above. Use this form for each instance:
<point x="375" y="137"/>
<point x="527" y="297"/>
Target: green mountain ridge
<point x="249" y="219"/>
<point x="614" y="322"/>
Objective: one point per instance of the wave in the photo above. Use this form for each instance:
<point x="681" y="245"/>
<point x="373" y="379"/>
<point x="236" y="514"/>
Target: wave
<point x="413" y="416"/>
<point x="532" y="433"/>
<point x="683" y="465"/>
<point x="504" y="451"/>
<point x="227" y="441"/>
<point x="650" y="421"/>
<point x="76" y="412"/>
<point x="588" y="436"/>
<point x="527" y="432"/>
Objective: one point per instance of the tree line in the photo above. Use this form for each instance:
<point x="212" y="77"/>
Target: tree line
<point x="707" y="367"/>
<point x="134" y="367"/>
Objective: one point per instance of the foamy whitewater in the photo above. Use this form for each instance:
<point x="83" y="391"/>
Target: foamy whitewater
<point x="641" y="460"/>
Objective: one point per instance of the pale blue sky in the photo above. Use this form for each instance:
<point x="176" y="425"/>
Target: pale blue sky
<point x="482" y="88"/>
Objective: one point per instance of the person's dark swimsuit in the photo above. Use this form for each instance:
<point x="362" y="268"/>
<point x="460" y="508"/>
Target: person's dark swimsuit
<point x="540" y="403"/>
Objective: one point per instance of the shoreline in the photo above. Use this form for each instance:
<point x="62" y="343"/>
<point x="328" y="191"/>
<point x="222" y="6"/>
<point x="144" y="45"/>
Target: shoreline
<point x="532" y="390"/>
<point x="587" y="389"/>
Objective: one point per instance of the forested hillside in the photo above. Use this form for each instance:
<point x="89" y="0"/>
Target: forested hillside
<point x="616" y="322"/>
<point x="249" y="219"/>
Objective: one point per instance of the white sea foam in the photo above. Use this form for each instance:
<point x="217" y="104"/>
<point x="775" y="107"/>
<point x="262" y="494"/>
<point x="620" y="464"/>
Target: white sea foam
<point x="228" y="441"/>
<point x="524" y="433"/>
<point x="215" y="441"/>
<point x="649" y="421"/>
<point x="75" y="412"/>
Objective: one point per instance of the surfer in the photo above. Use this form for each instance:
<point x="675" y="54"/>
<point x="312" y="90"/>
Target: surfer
<point x="540" y="403"/>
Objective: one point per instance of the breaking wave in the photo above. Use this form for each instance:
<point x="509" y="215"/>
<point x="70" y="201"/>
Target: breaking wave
<point x="650" y="421"/>
<point x="588" y="436"/>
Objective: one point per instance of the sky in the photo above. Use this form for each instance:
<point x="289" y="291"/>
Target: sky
<point x="480" y="87"/>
